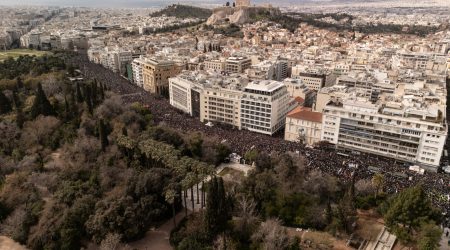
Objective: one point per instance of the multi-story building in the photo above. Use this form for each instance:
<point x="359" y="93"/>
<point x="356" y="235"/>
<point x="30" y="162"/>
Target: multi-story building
<point x="237" y="64"/>
<point x="406" y="127"/>
<point x="156" y="74"/>
<point x="137" y="68"/>
<point x="268" y="70"/>
<point x="260" y="106"/>
<point x="216" y="65"/>
<point x="314" y="78"/>
<point x="303" y="125"/>
<point x="210" y="97"/>
<point x="264" y="106"/>
<point x="297" y="88"/>
<point x="180" y="92"/>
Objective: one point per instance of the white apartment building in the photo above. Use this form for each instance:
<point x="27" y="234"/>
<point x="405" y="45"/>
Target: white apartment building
<point x="116" y="59"/>
<point x="264" y="106"/>
<point x="259" y="106"/>
<point x="406" y="128"/>
<point x="180" y="94"/>
<point x="210" y="97"/>
<point x="137" y="68"/>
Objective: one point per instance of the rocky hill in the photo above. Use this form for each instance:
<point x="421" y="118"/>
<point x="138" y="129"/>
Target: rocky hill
<point x="183" y="11"/>
<point x="241" y="15"/>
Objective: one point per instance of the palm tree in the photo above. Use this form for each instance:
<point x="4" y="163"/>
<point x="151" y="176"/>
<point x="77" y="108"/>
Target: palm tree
<point x="170" y="198"/>
<point x="378" y="182"/>
<point x="185" y="184"/>
<point x="190" y="181"/>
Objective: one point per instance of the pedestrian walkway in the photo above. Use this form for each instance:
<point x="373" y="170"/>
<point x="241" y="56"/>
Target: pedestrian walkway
<point x="444" y="239"/>
<point x="157" y="238"/>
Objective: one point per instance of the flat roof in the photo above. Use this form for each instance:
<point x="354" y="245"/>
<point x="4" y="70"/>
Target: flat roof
<point x="265" y="85"/>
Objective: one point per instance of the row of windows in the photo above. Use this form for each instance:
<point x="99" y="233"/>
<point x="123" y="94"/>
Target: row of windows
<point x="327" y="138"/>
<point x="253" y="122"/>
<point x="427" y="159"/>
<point x="257" y="104"/>
<point x="400" y="146"/>
<point x="256" y="118"/>
<point x="256" y="127"/>
<point x="255" y="113"/>
<point x="385" y="120"/>
<point x="385" y="150"/>
<point x="256" y="109"/>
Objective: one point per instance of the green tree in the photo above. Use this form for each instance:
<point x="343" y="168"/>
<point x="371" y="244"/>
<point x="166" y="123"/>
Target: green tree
<point x="41" y="105"/>
<point x="19" y="82"/>
<point x="408" y="211"/>
<point x="103" y="134"/>
<point x="251" y="156"/>
<point x="378" y="182"/>
<point x="5" y="104"/>
<point x="16" y="100"/>
<point x="429" y="237"/>
<point x="78" y="93"/>
<point x="20" y="118"/>
<point x="170" y="196"/>
<point x="217" y="208"/>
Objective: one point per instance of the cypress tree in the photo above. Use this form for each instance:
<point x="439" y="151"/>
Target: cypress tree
<point x="217" y="208"/>
<point x="223" y="208"/>
<point x="67" y="109"/>
<point x="79" y="95"/>
<point x="41" y="105"/>
<point x="5" y="104"/>
<point x="16" y="100"/>
<point x="88" y="98"/>
<point x="20" y="119"/>
<point x="102" y="92"/>
<point x="19" y="82"/>
<point x="211" y="209"/>
<point x="94" y="93"/>
<point x="103" y="134"/>
<point x="73" y="104"/>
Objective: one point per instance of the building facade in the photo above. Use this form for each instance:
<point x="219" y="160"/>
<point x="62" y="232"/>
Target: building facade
<point x="264" y="106"/>
<point x="411" y="136"/>
<point x="303" y="125"/>
<point x="237" y="64"/>
<point x="156" y="74"/>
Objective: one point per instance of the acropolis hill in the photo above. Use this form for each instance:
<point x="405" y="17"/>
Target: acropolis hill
<point x="242" y="13"/>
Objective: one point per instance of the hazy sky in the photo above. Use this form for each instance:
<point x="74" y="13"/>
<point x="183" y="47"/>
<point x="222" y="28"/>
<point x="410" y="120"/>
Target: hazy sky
<point x="108" y="3"/>
<point x="126" y="3"/>
<point x="92" y="3"/>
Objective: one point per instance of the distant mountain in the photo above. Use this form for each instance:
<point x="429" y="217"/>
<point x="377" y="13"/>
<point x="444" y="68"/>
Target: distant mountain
<point x="183" y="11"/>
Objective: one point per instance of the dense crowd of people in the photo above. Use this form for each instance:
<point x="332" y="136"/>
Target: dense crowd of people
<point x="396" y="175"/>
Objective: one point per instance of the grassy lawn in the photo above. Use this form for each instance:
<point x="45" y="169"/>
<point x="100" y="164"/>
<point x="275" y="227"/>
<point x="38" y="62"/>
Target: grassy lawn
<point x="14" y="53"/>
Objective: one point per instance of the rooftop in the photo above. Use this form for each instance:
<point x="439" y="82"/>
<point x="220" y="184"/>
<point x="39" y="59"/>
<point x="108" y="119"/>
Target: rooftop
<point x="265" y="85"/>
<point x="305" y="114"/>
